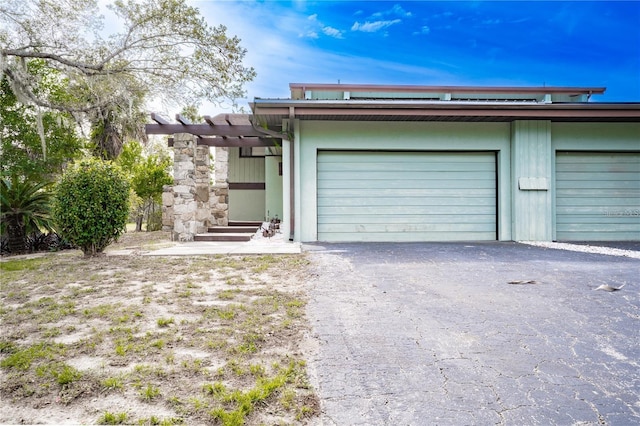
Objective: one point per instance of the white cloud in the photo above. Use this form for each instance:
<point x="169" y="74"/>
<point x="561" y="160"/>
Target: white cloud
<point x="327" y="30"/>
<point x="372" y="27"/>
<point x="396" y="10"/>
<point x="423" y="31"/>
<point x="332" y="32"/>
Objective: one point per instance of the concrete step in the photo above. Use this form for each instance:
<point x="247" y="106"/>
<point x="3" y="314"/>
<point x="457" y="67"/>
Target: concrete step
<point x="255" y="223"/>
<point x="240" y="236"/>
<point x="233" y="229"/>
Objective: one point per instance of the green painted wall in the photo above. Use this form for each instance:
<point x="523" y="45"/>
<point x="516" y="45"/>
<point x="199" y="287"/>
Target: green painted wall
<point x="531" y="176"/>
<point x="245" y="169"/>
<point x="526" y="160"/>
<point x="273" y="188"/>
<point x="246" y="204"/>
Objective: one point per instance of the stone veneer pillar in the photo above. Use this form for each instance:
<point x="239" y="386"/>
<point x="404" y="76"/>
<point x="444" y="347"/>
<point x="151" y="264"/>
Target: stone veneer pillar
<point x="191" y="175"/>
<point x="219" y="202"/>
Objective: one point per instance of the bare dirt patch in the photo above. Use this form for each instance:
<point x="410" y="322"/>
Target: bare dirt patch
<point x="154" y="340"/>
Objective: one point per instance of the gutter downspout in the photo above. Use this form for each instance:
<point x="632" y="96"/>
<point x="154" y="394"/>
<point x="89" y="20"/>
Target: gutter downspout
<point x="292" y="205"/>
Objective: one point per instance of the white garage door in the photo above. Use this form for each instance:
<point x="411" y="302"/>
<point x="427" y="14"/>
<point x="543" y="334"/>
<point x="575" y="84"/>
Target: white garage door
<point x="597" y="196"/>
<point x="406" y="196"/>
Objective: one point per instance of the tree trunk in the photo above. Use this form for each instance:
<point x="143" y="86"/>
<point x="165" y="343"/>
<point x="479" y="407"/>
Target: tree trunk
<point x="16" y="237"/>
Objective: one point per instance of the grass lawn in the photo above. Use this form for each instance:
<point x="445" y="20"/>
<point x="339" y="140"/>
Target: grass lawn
<point x="154" y="340"/>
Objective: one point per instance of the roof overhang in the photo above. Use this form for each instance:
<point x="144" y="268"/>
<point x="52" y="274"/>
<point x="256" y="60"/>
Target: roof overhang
<point x="446" y="89"/>
<point x="273" y="111"/>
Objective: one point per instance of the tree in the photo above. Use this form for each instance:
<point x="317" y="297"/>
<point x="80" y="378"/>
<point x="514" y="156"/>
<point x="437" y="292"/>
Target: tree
<point x="91" y="205"/>
<point x="20" y="144"/>
<point x="24" y="209"/>
<point x="165" y="50"/>
<point x="148" y="174"/>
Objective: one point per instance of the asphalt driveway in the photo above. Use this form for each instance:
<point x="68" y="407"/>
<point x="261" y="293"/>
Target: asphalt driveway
<point x="434" y="334"/>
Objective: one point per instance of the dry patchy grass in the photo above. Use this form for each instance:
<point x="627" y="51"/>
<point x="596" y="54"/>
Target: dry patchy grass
<point x="154" y="340"/>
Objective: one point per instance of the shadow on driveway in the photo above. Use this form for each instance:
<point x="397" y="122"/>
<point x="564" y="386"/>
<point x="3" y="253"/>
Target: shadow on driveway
<point x="434" y="333"/>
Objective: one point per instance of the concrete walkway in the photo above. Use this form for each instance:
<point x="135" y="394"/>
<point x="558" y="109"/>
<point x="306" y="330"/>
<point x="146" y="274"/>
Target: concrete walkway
<point x="474" y="334"/>
<point x="257" y="245"/>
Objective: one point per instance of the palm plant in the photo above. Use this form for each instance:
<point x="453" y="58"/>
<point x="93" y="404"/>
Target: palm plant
<point x="24" y="209"/>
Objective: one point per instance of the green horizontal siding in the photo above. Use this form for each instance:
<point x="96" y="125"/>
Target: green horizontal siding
<point x="406" y="196"/>
<point x="597" y="196"/>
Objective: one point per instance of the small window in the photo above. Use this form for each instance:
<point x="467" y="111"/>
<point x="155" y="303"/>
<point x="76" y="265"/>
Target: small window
<point x="249" y="151"/>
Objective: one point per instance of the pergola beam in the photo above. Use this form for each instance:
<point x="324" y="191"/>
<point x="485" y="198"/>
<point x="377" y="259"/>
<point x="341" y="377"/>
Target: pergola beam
<point x="158" y="118"/>
<point x="183" y="120"/>
<point x="234" y="142"/>
<point x="203" y="130"/>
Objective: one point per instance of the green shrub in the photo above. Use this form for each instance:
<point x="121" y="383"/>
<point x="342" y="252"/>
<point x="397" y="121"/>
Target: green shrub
<point x="24" y="209"/>
<point x="92" y="205"/>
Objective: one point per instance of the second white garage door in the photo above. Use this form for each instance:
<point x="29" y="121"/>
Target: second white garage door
<point x="406" y="196"/>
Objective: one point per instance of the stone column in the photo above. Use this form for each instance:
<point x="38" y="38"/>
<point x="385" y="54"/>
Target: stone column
<point x="167" y="208"/>
<point x="191" y="188"/>
<point x="203" y="186"/>
<point x="220" y="190"/>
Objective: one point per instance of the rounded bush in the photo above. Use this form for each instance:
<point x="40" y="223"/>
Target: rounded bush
<point x="91" y="205"/>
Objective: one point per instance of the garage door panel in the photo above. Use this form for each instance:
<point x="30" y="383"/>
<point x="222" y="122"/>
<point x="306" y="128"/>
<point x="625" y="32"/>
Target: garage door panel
<point x="408" y="167"/>
<point x="411" y="201"/>
<point x="596" y="221"/>
<point x="404" y="184"/>
<point x="404" y="219"/>
<point x="587" y="176"/>
<point x="597" y="196"/>
<point x="400" y="196"/>
<point x="410" y="192"/>
<point x="399" y="157"/>
<point x="600" y="193"/>
<point x="409" y="210"/>
<point x="401" y="228"/>
<point x="573" y="162"/>
<point x="601" y="228"/>
<point x="404" y="236"/>
<point x="397" y="175"/>
<point x="594" y="203"/>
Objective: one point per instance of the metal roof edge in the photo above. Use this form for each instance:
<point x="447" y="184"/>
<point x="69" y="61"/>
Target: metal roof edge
<point x="411" y="104"/>
<point x="447" y="89"/>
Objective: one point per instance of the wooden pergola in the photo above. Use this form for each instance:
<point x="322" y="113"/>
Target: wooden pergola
<point x="224" y="130"/>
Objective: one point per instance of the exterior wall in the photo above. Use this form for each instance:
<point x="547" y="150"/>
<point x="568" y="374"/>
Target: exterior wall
<point x="245" y="169"/>
<point x="286" y="226"/>
<point x="409" y="136"/>
<point x="532" y="173"/>
<point x="246" y="204"/>
<point x="273" y="188"/>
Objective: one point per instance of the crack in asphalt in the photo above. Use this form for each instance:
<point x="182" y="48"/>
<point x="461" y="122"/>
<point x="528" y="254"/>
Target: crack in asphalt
<point x="413" y="332"/>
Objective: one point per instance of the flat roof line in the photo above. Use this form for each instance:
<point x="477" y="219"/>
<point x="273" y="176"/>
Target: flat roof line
<point x="446" y="89"/>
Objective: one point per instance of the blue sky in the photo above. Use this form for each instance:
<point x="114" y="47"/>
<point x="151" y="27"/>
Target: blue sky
<point x="553" y="43"/>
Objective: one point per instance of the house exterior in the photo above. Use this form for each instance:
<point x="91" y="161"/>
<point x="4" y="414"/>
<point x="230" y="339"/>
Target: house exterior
<point x="426" y="163"/>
